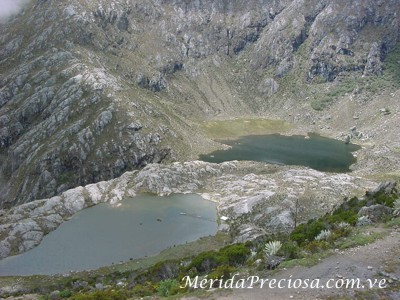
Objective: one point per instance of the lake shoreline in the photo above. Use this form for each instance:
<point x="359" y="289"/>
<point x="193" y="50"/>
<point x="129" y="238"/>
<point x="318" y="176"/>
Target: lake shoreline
<point x="313" y="150"/>
<point x="218" y="180"/>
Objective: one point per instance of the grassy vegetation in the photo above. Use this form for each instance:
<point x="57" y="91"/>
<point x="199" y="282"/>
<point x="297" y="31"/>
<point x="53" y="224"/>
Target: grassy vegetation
<point x="358" y="238"/>
<point x="230" y="129"/>
<point x="180" y="251"/>
<point x="393" y="223"/>
<point x="394" y="176"/>
<point x="307" y="261"/>
<point x="102" y="295"/>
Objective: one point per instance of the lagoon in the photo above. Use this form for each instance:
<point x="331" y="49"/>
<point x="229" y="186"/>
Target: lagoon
<point x="105" y="234"/>
<point x="314" y="151"/>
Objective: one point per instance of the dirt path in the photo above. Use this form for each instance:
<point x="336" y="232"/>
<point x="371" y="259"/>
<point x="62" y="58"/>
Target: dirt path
<point x="366" y="262"/>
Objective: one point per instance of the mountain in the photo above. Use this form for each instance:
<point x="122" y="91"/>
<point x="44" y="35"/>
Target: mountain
<point x="91" y="89"/>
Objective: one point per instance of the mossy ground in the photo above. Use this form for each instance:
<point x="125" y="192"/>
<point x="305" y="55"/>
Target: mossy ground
<point x="230" y="129"/>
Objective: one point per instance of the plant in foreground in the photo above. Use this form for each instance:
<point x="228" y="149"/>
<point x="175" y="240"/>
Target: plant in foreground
<point x="323" y="235"/>
<point x="364" y="221"/>
<point x="271" y="248"/>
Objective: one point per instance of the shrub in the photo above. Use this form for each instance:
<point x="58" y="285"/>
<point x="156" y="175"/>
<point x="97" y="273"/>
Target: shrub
<point x="316" y="246"/>
<point x="341" y="215"/>
<point x="290" y="250"/>
<point x="341" y="229"/>
<point x="206" y="261"/>
<point x="235" y="255"/>
<point x="307" y="231"/>
<point x="168" y="287"/>
<point x="386" y="199"/>
<point x="221" y="272"/>
<point x="347" y="212"/>
<point x="232" y="255"/>
<point x="143" y="290"/>
<point x="65" y="294"/>
<point x="160" y="271"/>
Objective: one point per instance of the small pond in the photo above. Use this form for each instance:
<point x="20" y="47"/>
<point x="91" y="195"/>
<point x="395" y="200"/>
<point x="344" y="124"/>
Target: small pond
<point x="316" y="152"/>
<point x="105" y="234"/>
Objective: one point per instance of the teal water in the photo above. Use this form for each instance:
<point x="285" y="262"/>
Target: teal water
<point x="104" y="234"/>
<point x="316" y="152"/>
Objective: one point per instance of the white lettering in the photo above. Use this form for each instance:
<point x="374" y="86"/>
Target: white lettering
<point x="314" y="284"/>
<point x="290" y="282"/>
<point x="328" y="284"/>
<point x="262" y="282"/>
<point x="297" y="283"/>
<point x="192" y="284"/>
<point x="279" y="284"/>
<point x="353" y="283"/>
<point x="305" y="285"/>
<point x="229" y="283"/>
<point x="272" y="283"/>
<point x="240" y="284"/>
<point x="253" y="280"/>
<point x="382" y="284"/>
<point x="339" y="283"/>
<point x="203" y="283"/>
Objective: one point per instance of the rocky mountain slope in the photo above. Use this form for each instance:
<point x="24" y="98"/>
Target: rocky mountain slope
<point x="91" y="89"/>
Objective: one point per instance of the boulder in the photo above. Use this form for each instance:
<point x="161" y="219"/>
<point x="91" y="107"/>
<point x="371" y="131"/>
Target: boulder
<point x="375" y="213"/>
<point x="281" y="222"/>
<point x="271" y="262"/>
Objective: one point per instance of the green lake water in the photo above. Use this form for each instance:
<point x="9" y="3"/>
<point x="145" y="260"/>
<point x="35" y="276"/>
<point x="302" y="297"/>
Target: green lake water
<point x="316" y="152"/>
<point x="105" y="234"/>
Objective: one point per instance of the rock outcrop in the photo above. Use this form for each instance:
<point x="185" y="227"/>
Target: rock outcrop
<point x="263" y="201"/>
<point x="376" y="213"/>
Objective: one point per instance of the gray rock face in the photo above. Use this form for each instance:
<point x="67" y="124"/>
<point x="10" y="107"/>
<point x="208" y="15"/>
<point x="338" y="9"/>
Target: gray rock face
<point x="376" y="213"/>
<point x="64" y="131"/>
<point x="72" y="86"/>
<point x="268" y="87"/>
<point x="374" y="60"/>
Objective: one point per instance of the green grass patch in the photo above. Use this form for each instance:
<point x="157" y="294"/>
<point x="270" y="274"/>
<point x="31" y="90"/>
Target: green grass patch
<point x="392" y="223"/>
<point x="359" y="238"/>
<point x="102" y="295"/>
<point x="322" y="102"/>
<point x="230" y="129"/>
<point x="308" y="261"/>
